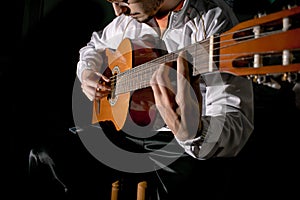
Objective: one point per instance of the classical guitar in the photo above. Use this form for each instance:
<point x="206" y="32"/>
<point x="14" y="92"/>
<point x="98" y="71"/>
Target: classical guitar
<point x="264" y="45"/>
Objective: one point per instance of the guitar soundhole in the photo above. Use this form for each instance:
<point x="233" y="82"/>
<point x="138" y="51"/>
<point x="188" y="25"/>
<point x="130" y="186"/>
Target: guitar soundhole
<point x="142" y="109"/>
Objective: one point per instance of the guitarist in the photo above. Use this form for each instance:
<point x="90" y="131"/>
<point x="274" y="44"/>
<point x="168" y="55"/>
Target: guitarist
<point x="209" y="116"/>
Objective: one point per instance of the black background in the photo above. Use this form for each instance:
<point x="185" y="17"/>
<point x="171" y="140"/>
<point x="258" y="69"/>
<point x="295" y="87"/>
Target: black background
<point x="39" y="52"/>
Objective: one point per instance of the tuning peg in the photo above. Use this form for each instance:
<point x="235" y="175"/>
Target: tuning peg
<point x="290" y="77"/>
<point x="259" y="79"/>
<point x="259" y="15"/>
<point x="289" y="6"/>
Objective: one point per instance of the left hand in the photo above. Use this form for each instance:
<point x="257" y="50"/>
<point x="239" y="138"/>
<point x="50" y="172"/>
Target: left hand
<point x="180" y="110"/>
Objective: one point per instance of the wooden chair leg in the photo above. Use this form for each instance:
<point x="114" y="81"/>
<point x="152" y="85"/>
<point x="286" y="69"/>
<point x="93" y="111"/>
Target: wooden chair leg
<point x="114" y="190"/>
<point x="141" y="190"/>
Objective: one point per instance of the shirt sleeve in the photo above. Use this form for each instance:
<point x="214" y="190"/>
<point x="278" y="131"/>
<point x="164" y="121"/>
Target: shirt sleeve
<point x="89" y="56"/>
<point x="217" y="20"/>
<point x="227" y="121"/>
<point x="92" y="56"/>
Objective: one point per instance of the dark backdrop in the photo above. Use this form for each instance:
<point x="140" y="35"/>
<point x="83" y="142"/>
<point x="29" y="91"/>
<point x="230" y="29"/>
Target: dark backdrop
<point x="40" y="44"/>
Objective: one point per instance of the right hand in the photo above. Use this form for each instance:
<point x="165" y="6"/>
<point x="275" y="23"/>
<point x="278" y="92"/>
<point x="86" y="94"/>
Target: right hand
<point x="179" y="107"/>
<point x="92" y="84"/>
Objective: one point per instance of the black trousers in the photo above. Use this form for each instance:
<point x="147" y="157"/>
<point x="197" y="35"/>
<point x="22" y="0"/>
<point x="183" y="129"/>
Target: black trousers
<point x="272" y="145"/>
<point x="64" y="168"/>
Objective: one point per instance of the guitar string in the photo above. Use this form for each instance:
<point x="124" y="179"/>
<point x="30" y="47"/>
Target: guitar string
<point x="134" y="75"/>
<point x="129" y="83"/>
<point x="228" y="33"/>
<point x="231" y="33"/>
<point x="206" y="40"/>
<point x="192" y="46"/>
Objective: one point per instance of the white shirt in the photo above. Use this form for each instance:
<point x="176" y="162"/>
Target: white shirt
<point x="227" y="105"/>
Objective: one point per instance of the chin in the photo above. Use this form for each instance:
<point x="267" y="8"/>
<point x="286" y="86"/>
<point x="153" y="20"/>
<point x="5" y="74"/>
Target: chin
<point x="143" y="19"/>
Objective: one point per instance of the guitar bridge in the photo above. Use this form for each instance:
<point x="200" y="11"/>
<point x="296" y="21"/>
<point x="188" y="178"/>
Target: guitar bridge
<point x="112" y="97"/>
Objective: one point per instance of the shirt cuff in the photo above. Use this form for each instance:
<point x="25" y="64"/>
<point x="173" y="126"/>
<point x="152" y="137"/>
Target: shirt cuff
<point x="193" y="146"/>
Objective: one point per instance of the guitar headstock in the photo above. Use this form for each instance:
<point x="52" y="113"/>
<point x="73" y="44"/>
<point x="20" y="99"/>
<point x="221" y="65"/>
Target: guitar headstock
<point x="266" y="45"/>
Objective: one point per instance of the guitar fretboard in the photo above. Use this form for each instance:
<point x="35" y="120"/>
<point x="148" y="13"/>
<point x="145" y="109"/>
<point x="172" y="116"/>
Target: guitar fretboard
<point x="139" y="77"/>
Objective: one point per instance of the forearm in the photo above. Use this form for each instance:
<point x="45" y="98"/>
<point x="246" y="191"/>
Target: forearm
<point x="227" y="120"/>
<point x="220" y="136"/>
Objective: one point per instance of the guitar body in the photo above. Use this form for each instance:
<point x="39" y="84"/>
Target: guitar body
<point x="131" y="109"/>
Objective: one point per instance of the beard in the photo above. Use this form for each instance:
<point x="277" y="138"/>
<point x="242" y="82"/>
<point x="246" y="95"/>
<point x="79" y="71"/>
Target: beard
<point x="150" y="10"/>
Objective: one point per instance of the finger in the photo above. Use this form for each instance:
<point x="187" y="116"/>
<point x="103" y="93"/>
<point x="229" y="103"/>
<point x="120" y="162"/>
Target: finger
<point x="102" y="87"/>
<point x="90" y="91"/>
<point x="102" y="77"/>
<point x="182" y="67"/>
<point x="88" y="86"/>
<point x="90" y="83"/>
<point x="157" y="80"/>
<point x="163" y="88"/>
<point x="94" y="94"/>
<point x="100" y="95"/>
<point x="87" y="94"/>
<point x="154" y="84"/>
<point x="163" y="80"/>
<point x="163" y="93"/>
<point x="102" y="83"/>
<point x="182" y="76"/>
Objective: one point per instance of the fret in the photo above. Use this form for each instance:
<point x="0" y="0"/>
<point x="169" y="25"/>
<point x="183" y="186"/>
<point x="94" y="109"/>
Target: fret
<point x="200" y="55"/>
<point x="139" y="77"/>
<point x="211" y="54"/>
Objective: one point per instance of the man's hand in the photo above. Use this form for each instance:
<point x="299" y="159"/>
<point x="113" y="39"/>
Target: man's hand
<point x="92" y="84"/>
<point x="181" y="109"/>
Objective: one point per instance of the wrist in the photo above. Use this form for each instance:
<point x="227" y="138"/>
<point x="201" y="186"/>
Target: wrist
<point x="187" y="135"/>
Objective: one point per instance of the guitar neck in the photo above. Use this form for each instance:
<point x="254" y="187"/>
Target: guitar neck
<point x="201" y="57"/>
<point x="260" y="46"/>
